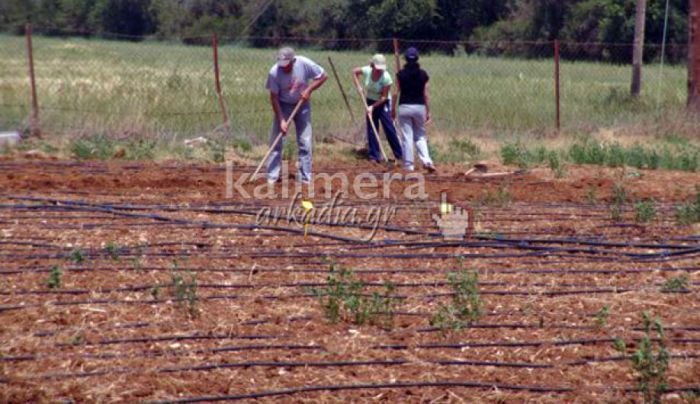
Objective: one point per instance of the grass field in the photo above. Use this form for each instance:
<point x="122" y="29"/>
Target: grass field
<point x="154" y="88"/>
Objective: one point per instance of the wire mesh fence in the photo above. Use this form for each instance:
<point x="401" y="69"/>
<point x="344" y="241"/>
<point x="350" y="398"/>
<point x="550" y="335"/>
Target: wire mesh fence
<point x="124" y="86"/>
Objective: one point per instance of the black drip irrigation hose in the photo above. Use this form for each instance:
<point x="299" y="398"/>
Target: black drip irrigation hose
<point x="523" y="344"/>
<point x="370" y="386"/>
<point x="116" y="210"/>
<point x="184" y="337"/>
<point x="407" y="385"/>
<point x="343" y="364"/>
<point x="310" y="295"/>
<point x="402" y="285"/>
<point x="324" y="269"/>
<point x="492" y="242"/>
<point x="167" y="353"/>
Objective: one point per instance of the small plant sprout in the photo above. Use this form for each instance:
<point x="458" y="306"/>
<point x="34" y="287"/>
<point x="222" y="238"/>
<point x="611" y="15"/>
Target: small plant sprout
<point x="645" y="211"/>
<point x="185" y="292"/>
<point x="619" y="345"/>
<point x="651" y="361"/>
<point x="556" y="165"/>
<point x="689" y="213"/>
<point x="54" y="280"/>
<point x="77" y="339"/>
<point x="592" y="197"/>
<point x="113" y="251"/>
<point x="344" y="299"/>
<point x="155" y="291"/>
<point x="619" y="198"/>
<point x="77" y="256"/>
<point x="466" y="305"/>
<point x="601" y="317"/>
<point x="676" y="284"/>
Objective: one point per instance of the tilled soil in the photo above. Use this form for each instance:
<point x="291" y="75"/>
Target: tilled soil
<point x="548" y="256"/>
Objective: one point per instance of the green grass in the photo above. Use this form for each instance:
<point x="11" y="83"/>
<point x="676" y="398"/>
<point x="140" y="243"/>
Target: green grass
<point x="664" y="154"/>
<point x="166" y="89"/>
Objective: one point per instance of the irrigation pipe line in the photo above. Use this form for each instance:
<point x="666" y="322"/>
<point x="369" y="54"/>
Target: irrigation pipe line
<point x="611" y="290"/>
<point x="209" y="225"/>
<point x="166" y="353"/>
<point x="298" y="285"/>
<point x="339" y="364"/>
<point x="399" y="385"/>
<point x="294" y="347"/>
<point x="116" y="210"/>
<point x="521" y="243"/>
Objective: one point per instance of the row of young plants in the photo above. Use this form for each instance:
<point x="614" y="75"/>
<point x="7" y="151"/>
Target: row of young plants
<point x="344" y="298"/>
<point x="674" y="154"/>
<point x="182" y="288"/>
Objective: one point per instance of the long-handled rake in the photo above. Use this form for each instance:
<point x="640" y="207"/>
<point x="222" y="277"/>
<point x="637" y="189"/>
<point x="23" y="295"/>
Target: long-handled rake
<point x="277" y="140"/>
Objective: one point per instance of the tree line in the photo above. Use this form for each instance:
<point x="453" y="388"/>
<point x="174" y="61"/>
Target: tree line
<point x="579" y="21"/>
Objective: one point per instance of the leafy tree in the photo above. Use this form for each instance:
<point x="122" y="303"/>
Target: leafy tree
<point x="411" y="19"/>
<point x="457" y="19"/>
<point x="126" y="17"/>
<point x="14" y="14"/>
<point x="76" y="15"/>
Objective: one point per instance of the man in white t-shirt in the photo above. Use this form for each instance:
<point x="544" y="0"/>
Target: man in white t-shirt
<point x="291" y="80"/>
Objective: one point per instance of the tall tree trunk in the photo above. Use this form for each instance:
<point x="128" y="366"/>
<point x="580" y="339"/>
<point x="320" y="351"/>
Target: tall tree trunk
<point x="638" y="52"/>
<point x="694" y="56"/>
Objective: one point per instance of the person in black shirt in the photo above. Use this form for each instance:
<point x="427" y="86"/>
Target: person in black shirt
<point x="414" y="110"/>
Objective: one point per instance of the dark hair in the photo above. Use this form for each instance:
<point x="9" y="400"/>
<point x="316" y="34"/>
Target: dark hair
<point x="412" y="67"/>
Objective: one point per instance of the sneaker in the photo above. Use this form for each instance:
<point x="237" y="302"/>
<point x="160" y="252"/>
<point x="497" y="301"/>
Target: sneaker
<point x="272" y="181"/>
<point x="430" y="168"/>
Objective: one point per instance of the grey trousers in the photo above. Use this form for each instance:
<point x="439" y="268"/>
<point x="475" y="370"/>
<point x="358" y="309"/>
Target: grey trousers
<point x="302" y="125"/>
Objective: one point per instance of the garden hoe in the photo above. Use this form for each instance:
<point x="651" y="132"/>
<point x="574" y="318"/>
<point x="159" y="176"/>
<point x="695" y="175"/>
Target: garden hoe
<point x="374" y="128"/>
<point x="277" y="140"/>
<point x="479" y="167"/>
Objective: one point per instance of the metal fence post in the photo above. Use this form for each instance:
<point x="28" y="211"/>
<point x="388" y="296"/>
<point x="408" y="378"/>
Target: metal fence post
<point x="34" y="117"/>
<point x="694" y="56"/>
<point x="557" y="89"/>
<point x="217" y="82"/>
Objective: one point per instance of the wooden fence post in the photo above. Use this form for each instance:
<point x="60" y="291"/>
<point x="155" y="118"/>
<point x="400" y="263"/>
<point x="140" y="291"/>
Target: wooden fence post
<point x="557" y="84"/>
<point x="34" y="123"/>
<point x="217" y="82"/>
<point x="342" y="91"/>
<point x="694" y="57"/>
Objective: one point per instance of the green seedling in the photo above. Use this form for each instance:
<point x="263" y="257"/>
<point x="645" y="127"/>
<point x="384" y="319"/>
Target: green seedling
<point x="619" y="345"/>
<point x="601" y="317"/>
<point x="54" y="280"/>
<point x="619" y="198"/>
<point x="556" y="165"/>
<point x="466" y="305"/>
<point x="112" y="251"/>
<point x="185" y="292"/>
<point x="77" y="256"/>
<point x="592" y="197"/>
<point x="676" y="284"/>
<point x="155" y="291"/>
<point x="77" y="339"/>
<point x="651" y="361"/>
<point x="645" y="211"/>
<point x="344" y="299"/>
